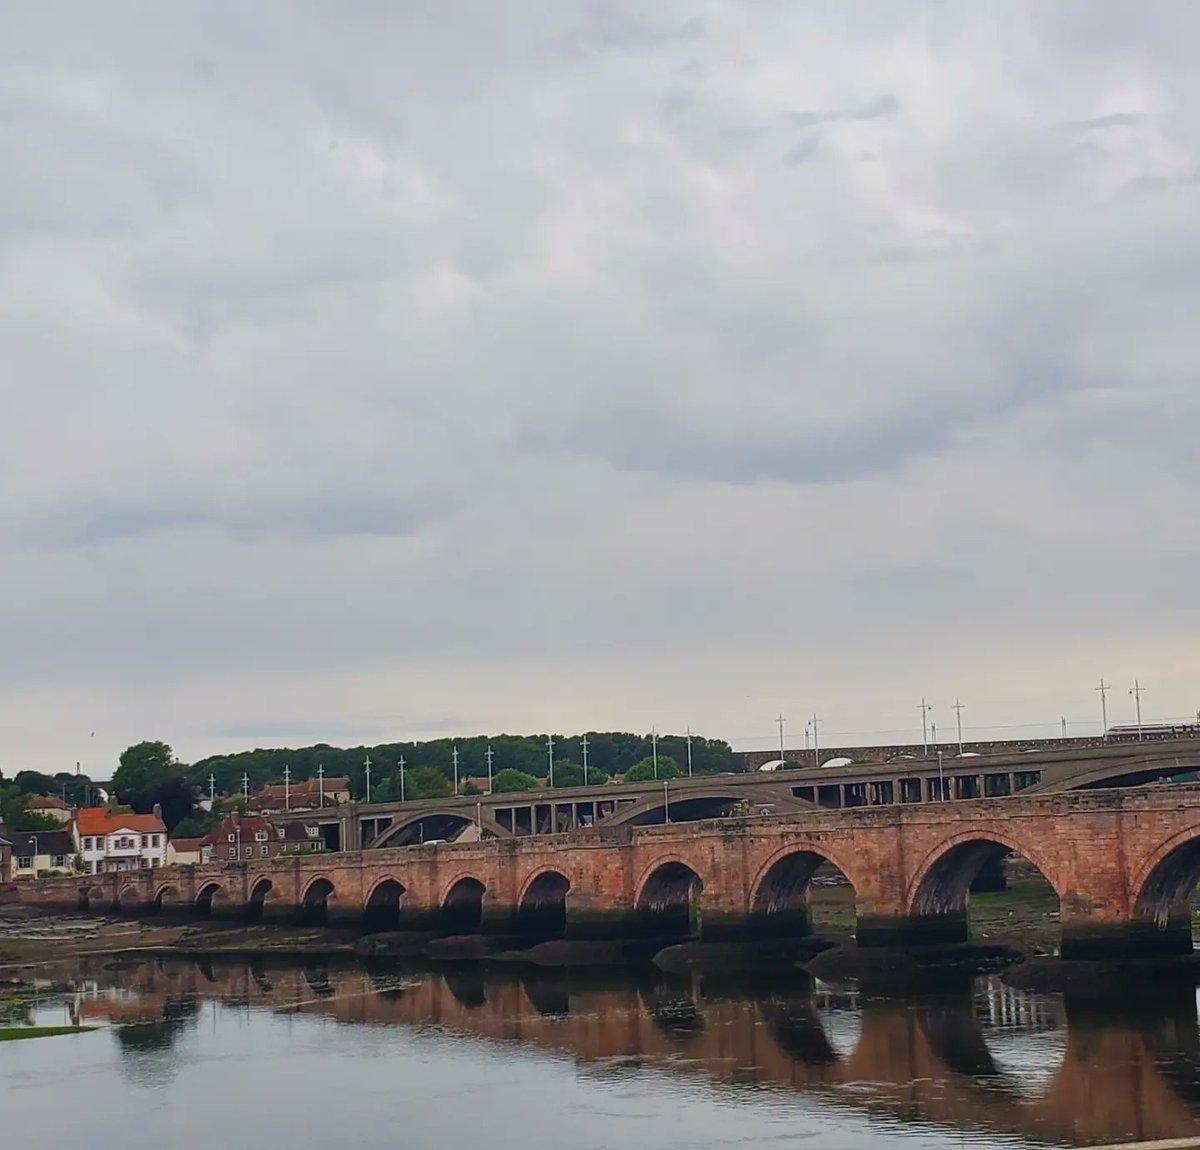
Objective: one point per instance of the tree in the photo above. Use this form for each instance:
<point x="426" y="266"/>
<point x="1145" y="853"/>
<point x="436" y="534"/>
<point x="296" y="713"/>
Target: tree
<point x="643" y="771"/>
<point x="144" y="768"/>
<point x="471" y="789"/>
<point x="35" y="783"/>
<point x="425" y="783"/>
<point x="195" y="826"/>
<point x="568" y="774"/>
<point x="510" y="780"/>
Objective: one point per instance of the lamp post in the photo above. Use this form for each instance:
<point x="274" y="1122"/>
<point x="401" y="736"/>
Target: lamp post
<point x="958" y="710"/>
<point x="1136" y="691"/>
<point x="654" y="750"/>
<point x="454" y="760"/>
<point x="666" y="803"/>
<point x="925" y="709"/>
<point x="321" y="786"/>
<point x="489" y="756"/>
<point x="287" y="788"/>
<point x="941" y="780"/>
<point x="367" y="768"/>
<point x="401" y="765"/>
<point x="780" y="721"/>
<point x="816" y="742"/>
<point x="1104" y="688"/>
<point x="550" y="756"/>
<point x="689" y="751"/>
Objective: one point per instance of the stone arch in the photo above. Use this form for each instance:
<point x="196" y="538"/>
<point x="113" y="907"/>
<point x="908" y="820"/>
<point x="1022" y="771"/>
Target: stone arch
<point x="381" y="909"/>
<point x="1163" y="886"/>
<point x="129" y="899"/>
<point x="314" y="901"/>
<point x="941" y="885"/>
<point x="202" y="905"/>
<point x="668" y="898"/>
<point x="780" y="892"/>
<point x="259" y="892"/>
<point x="462" y="904"/>
<point x="84" y="900"/>
<point x="542" y="903"/>
<point x="166" y="895"/>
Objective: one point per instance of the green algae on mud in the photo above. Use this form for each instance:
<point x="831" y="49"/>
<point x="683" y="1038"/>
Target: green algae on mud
<point x="16" y="1033"/>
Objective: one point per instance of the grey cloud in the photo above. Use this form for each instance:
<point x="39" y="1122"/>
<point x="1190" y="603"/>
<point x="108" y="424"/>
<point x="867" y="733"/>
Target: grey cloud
<point x="477" y="366"/>
<point x="880" y="108"/>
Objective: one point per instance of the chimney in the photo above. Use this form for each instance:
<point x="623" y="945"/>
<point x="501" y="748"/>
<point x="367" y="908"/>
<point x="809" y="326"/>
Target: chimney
<point x="157" y="812"/>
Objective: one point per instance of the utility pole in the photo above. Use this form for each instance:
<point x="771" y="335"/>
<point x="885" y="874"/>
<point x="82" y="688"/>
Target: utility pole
<point x="321" y="785"/>
<point x="925" y="709"/>
<point x="1136" y="691"/>
<point x="245" y="785"/>
<point x="367" y="767"/>
<point x="583" y="746"/>
<point x="1063" y="720"/>
<point x="212" y="788"/>
<point x="941" y="779"/>
<point x="287" y="788"/>
<point x="401" y="778"/>
<point x="780" y="721"/>
<point x="689" y="751"/>
<point x="488" y="754"/>
<point x="666" y="803"/>
<point x="1104" y="688"/>
<point x="958" y="709"/>
<point x="816" y="742"/>
<point x="654" y="749"/>
<point x="550" y="754"/>
<point x="454" y="759"/>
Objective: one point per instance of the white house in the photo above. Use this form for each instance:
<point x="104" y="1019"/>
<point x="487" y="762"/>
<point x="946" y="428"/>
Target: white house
<point x="108" y="841"/>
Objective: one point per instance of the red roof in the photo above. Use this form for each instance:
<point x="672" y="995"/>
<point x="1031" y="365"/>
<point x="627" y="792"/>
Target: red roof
<point x="102" y="821"/>
<point x="185" y="846"/>
<point x="46" y="803"/>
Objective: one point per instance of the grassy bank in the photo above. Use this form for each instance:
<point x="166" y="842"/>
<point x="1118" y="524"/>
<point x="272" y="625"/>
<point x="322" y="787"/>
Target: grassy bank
<point x="16" y="1033"/>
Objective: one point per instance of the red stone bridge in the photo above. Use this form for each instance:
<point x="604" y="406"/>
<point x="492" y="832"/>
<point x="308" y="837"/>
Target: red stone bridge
<point x="1124" y="864"/>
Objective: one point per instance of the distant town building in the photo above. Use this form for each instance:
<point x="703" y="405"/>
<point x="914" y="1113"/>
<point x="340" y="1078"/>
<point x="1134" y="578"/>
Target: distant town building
<point x="51" y="807"/>
<point x="185" y="852"/>
<point x="108" y="841"/>
<point x="307" y="795"/>
<point x="42" y="852"/>
<point x="246" y="837"/>
<point x="6" y="857"/>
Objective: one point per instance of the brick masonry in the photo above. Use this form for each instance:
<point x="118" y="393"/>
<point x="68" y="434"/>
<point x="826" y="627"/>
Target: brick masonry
<point x="1123" y="863"/>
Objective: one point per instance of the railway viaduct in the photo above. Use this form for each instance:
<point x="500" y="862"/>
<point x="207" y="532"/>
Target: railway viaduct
<point x="1124" y="864"/>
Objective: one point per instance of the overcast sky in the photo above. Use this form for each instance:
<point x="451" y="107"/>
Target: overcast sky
<point x="376" y="371"/>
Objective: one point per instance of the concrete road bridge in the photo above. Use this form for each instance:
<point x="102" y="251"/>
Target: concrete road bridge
<point x="906" y="781"/>
<point x="1124" y="864"/>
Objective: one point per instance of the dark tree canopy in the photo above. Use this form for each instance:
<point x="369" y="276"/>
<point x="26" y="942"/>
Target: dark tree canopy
<point x="510" y="780"/>
<point x="608" y="753"/>
<point x="645" y="770"/>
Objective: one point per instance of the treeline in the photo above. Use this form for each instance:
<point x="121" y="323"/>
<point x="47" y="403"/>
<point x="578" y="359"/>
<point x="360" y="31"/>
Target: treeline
<point x="15" y="794"/>
<point x="608" y="753"/>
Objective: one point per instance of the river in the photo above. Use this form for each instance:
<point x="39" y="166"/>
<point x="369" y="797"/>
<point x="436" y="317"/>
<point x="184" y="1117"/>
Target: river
<point x="239" y="1053"/>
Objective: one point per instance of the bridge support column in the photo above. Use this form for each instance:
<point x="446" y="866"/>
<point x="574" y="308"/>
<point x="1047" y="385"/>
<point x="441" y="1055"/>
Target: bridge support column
<point x="876" y="930"/>
<point x="1133" y="938"/>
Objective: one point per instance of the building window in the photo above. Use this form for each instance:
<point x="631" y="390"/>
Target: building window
<point x="87" y="843"/>
<point x="145" y="863"/>
<point x="145" y="842"/>
<point x="154" y="840"/>
<point x="249" y="852"/>
<point x="265" y="851"/>
<point x="260" y="836"/>
<point x="24" y="862"/>
<point x="233" y="852"/>
<point x="231" y="838"/>
<point x="60" y="860"/>
<point x="312" y="832"/>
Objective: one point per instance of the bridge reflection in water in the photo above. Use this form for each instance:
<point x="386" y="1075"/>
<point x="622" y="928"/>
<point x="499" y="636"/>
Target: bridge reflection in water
<point x="987" y="1058"/>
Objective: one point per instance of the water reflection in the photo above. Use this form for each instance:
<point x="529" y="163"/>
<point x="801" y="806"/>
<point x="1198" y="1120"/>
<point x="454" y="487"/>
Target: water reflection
<point x="985" y="1058"/>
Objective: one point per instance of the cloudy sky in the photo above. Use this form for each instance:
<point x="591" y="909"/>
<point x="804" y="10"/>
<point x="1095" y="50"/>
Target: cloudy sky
<point x="376" y="370"/>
